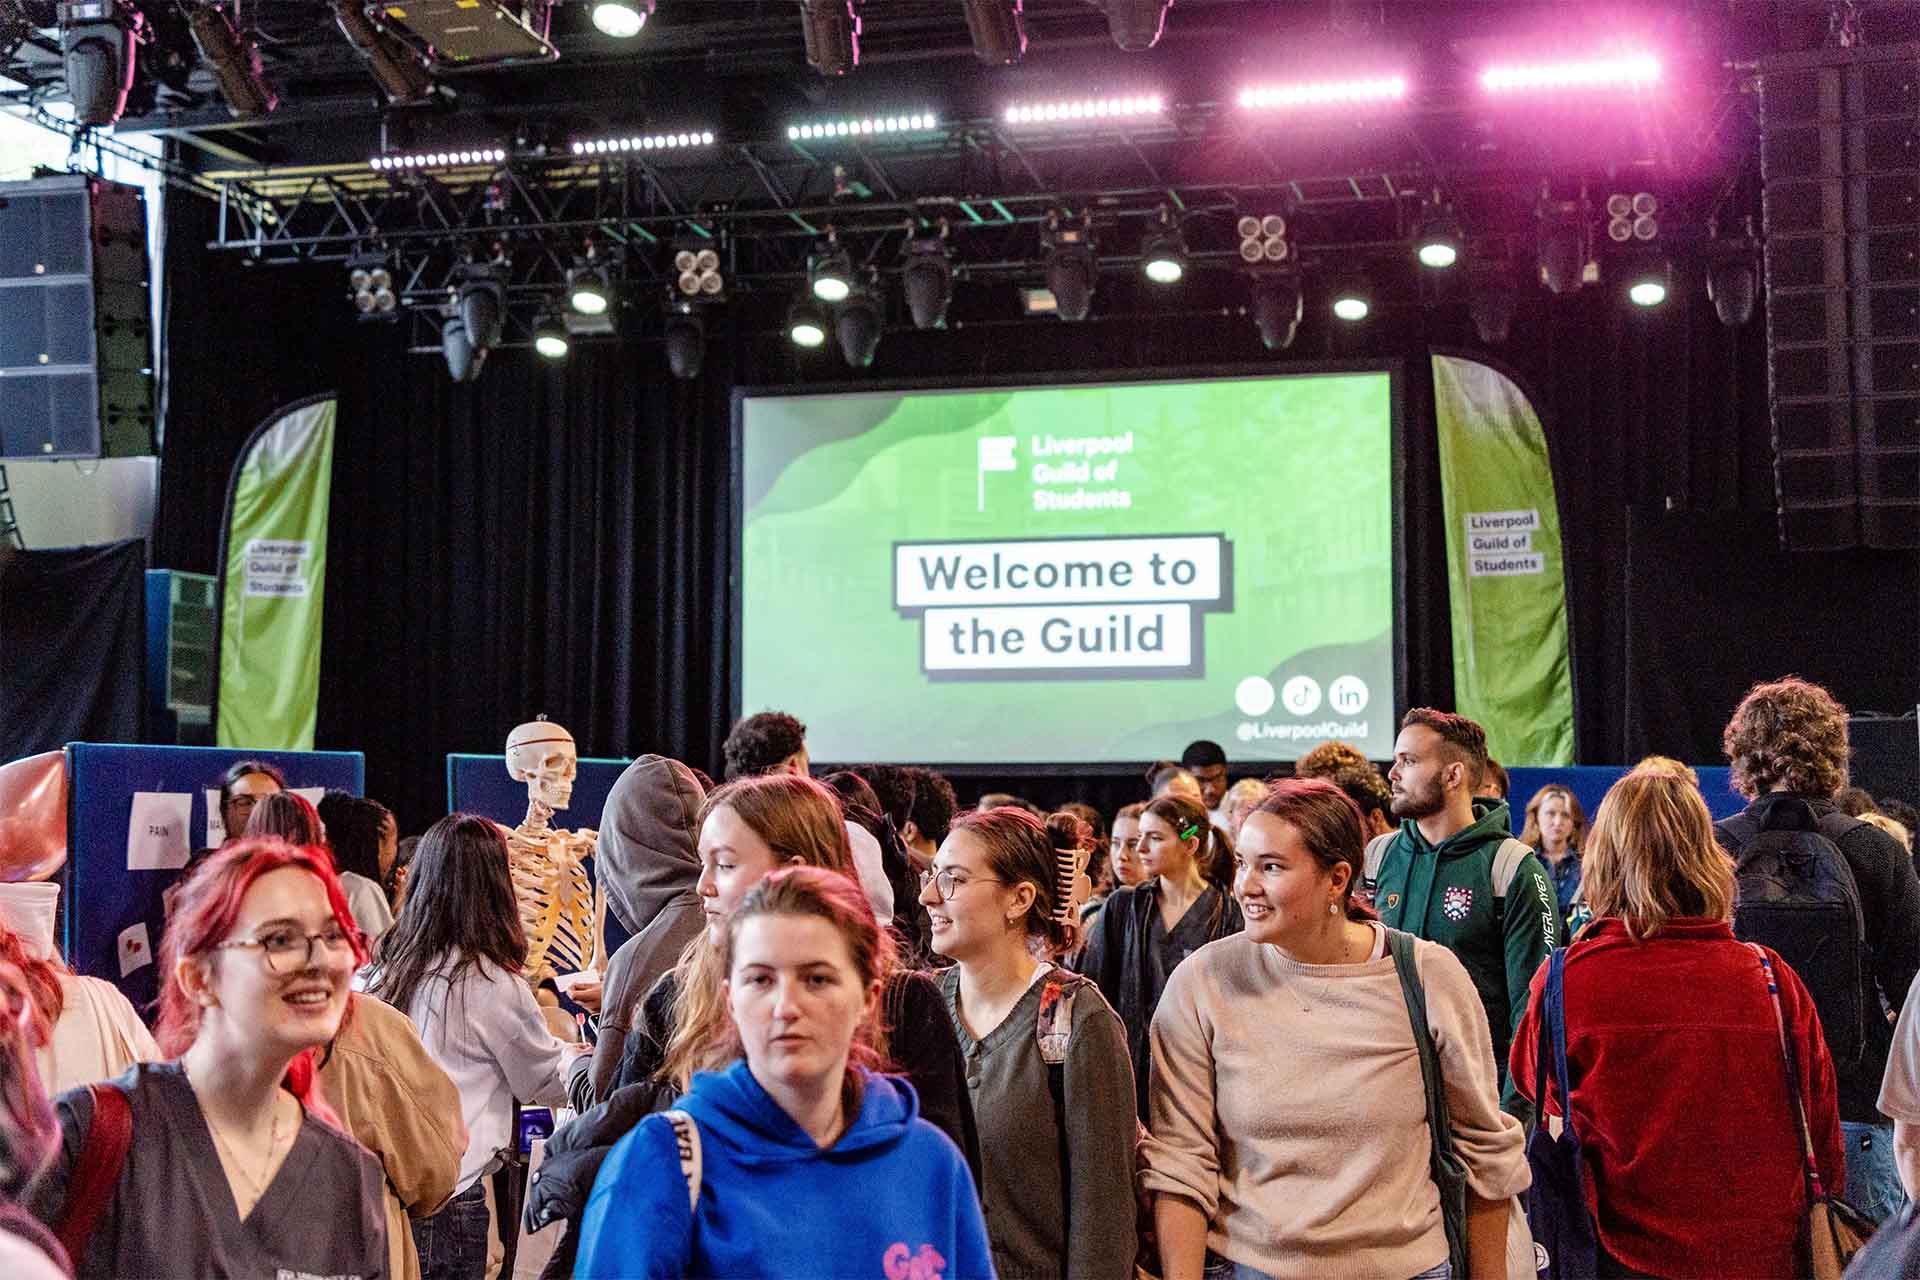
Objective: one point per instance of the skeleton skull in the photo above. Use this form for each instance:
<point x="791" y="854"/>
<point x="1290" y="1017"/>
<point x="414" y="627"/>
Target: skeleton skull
<point x="542" y="755"/>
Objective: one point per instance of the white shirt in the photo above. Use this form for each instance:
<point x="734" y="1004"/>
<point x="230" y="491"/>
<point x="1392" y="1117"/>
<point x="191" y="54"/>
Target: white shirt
<point x="368" y="902"/>
<point x="873" y="872"/>
<point x="487" y="1033"/>
<point x="97" y="1037"/>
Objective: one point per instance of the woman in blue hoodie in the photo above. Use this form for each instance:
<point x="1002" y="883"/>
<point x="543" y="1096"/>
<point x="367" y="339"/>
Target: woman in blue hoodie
<point x="778" y="1159"/>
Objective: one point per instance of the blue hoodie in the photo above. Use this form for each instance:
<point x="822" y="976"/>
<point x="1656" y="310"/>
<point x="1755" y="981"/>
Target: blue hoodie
<point x="891" y="1200"/>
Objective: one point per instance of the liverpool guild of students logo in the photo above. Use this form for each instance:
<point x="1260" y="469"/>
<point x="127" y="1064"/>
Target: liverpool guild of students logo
<point x="1456" y="902"/>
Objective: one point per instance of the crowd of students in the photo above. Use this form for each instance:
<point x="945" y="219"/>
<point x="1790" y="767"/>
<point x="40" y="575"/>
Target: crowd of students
<point x="1300" y="1026"/>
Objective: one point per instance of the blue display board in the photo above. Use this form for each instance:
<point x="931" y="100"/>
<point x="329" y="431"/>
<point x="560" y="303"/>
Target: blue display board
<point x="481" y="784"/>
<point x="1589" y="784"/>
<point x="103" y="897"/>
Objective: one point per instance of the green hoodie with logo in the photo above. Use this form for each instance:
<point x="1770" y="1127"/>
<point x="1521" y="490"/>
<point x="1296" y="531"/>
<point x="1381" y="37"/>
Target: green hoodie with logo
<point x="1444" y="893"/>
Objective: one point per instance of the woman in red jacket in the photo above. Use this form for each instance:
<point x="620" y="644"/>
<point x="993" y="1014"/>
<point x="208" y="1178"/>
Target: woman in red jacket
<point x="1693" y="1153"/>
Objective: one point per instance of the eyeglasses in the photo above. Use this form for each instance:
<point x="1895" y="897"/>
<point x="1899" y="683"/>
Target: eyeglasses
<point x="287" y="951"/>
<point x="946" y="884"/>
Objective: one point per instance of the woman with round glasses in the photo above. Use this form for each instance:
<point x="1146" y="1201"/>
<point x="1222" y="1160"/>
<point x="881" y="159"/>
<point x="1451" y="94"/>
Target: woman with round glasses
<point x="451" y="962"/>
<point x="1056" y="1138"/>
<point x="234" y="1156"/>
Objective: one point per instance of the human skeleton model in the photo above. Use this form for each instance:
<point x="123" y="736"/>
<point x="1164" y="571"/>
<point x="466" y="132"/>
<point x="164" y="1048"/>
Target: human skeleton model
<point x="560" y="909"/>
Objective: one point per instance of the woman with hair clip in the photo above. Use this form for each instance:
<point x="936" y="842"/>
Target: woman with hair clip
<point x="1146" y="930"/>
<point x="780" y="1159"/>
<point x="452" y="964"/>
<point x="1289" y="1116"/>
<point x="234" y="1157"/>
<point x="1046" y="1057"/>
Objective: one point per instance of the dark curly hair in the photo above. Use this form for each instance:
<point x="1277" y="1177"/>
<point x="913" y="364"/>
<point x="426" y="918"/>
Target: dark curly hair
<point x="759" y="742"/>
<point x="1365" y="787"/>
<point x="934" y="804"/>
<point x="1787" y="734"/>
<point x="1328" y="759"/>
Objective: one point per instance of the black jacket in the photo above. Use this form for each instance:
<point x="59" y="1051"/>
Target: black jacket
<point x="919" y="1037"/>
<point x="1890" y="901"/>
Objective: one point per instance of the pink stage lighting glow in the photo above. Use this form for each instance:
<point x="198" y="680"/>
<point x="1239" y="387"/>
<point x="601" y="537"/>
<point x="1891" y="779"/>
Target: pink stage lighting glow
<point x="1628" y="71"/>
<point x="1086" y="109"/>
<point x="1324" y="93"/>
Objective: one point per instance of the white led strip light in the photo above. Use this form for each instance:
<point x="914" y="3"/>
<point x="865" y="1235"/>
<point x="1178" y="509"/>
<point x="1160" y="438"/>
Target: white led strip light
<point x="643" y="142"/>
<point x="1323" y="93"/>
<point x="1086" y="109"/>
<point x="868" y="127"/>
<point x="438" y="159"/>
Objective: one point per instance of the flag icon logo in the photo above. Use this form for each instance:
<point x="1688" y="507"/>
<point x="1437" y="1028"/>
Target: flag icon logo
<point x="996" y="454"/>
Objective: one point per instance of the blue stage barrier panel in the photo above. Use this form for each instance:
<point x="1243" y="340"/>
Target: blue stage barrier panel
<point x="102" y="897"/>
<point x="1590" y="783"/>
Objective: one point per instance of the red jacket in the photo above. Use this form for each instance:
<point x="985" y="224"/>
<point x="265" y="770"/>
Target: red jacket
<point x="1693" y="1156"/>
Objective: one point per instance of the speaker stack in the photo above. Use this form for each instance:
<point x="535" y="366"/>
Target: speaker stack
<point x="1840" y="164"/>
<point x="76" y="336"/>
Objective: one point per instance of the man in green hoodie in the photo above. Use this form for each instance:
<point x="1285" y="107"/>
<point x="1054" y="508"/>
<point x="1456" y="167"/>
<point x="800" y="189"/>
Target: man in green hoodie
<point x="1452" y="874"/>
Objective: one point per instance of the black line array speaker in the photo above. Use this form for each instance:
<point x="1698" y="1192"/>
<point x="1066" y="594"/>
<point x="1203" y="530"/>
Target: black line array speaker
<point x="1840" y="167"/>
<point x="76" y="340"/>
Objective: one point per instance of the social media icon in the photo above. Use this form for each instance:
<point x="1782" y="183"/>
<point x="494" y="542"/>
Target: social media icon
<point x="1301" y="695"/>
<point x="1348" y="695"/>
<point x="1254" y="696"/>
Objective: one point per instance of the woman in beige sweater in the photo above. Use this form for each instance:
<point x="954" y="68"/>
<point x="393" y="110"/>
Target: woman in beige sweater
<point x="1287" y="1109"/>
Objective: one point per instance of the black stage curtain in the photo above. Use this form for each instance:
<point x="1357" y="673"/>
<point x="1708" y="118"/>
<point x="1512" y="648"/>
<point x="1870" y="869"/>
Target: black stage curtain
<point x="73" y="632"/>
<point x="556" y="539"/>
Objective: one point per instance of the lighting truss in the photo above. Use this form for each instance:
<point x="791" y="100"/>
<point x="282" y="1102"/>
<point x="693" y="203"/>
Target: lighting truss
<point x="438" y="159"/>
<point x="1085" y="109"/>
<point x="1323" y="93"/>
<point x="644" y="142"/>
<point x="862" y="127"/>
<point x="1628" y="71"/>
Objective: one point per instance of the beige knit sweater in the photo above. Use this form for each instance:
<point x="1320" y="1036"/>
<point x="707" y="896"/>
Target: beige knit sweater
<point x="1286" y="1101"/>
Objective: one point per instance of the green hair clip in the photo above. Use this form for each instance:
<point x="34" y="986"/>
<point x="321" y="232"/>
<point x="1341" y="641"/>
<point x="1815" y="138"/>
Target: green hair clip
<point x="1189" y="831"/>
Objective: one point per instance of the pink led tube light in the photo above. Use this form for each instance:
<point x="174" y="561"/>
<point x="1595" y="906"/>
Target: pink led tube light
<point x="1323" y="93"/>
<point x="1628" y="71"/>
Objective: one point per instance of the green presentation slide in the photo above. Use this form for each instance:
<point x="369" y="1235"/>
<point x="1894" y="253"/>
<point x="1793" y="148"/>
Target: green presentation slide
<point x="1072" y="574"/>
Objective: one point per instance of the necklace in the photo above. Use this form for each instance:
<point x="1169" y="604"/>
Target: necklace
<point x="257" y="1185"/>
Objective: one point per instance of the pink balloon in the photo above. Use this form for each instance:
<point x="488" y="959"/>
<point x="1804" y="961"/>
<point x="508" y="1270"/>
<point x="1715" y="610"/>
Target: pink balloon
<point x="33" y="816"/>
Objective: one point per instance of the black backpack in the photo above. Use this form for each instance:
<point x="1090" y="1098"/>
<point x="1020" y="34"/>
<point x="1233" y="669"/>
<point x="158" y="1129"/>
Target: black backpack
<point x="1798" y="896"/>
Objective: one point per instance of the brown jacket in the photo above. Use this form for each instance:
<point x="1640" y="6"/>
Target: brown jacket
<point x="398" y="1104"/>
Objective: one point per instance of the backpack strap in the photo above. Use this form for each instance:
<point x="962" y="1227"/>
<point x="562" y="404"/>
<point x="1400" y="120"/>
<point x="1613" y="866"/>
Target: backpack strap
<point x="686" y="1138"/>
<point x="1375" y="857"/>
<point x="1053" y="1029"/>
<point x="1738" y="831"/>
<point x="1506" y="864"/>
<point x="103" y="1153"/>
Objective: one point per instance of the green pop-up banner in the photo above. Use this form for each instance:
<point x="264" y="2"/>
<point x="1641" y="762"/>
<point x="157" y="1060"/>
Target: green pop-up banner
<point x="1510" y="666"/>
<point x="273" y="568"/>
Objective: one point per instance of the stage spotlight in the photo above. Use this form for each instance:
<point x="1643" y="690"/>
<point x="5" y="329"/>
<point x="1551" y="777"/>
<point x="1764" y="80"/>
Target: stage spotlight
<point x="622" y="19"/>
<point x="830" y="273"/>
<point x="372" y="284"/>
<point x="1440" y="240"/>
<point x="482" y="296"/>
<point x="1072" y="271"/>
<point x="686" y="336"/>
<point x="858" y="324"/>
<point x="1564" y="246"/>
<point x="1264" y="240"/>
<point x="805" y="325"/>
<point x="463" y="358"/>
<point x="1353" y="300"/>
<point x="235" y="61"/>
<point x="1648" y="286"/>
<point x="391" y="64"/>
<point x="1278" y="306"/>
<point x="587" y="290"/>
<point x="550" y="338"/>
<point x="1134" y="24"/>
<point x="998" y="29"/>
<point x="696" y="270"/>
<point x="831" y="29"/>
<point x="96" y="44"/>
<point x="1163" y="256"/>
<point x="928" y="281"/>
<point x="1491" y="298"/>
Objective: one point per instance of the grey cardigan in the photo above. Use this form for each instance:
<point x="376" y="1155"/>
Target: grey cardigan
<point x="1043" y="1220"/>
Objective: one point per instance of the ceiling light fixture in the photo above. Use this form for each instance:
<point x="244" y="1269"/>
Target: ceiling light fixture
<point x="1648" y="286"/>
<point x="686" y="338"/>
<point x="1078" y="111"/>
<point x="1135" y="25"/>
<point x="830" y="273"/>
<point x="1163" y="255"/>
<point x="1072" y="270"/>
<point x="643" y="142"/>
<point x="235" y="61"/>
<point x="858" y="324"/>
<point x="392" y="65"/>
<point x="1440" y="242"/>
<point x="622" y="19"/>
<point x="550" y="338"/>
<point x="1632" y="71"/>
<point x="1278" y="305"/>
<point x="831" y="29"/>
<point x="465" y="158"/>
<point x="805" y="325"/>
<point x="1353" y="300"/>
<point x="862" y="127"/>
<point x="1491" y="299"/>
<point x="97" y="48"/>
<point x="1323" y="93"/>
<point x="998" y="29"/>
<point x="928" y="280"/>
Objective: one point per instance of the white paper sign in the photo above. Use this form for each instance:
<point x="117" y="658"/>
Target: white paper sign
<point x="135" y="950"/>
<point x="277" y="567"/>
<point x="157" y="830"/>
<point x="216" y="823"/>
